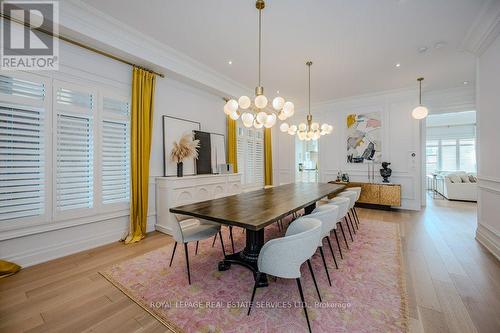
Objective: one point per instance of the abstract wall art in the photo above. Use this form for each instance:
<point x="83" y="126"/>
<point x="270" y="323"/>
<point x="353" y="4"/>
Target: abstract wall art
<point x="364" y="137"/>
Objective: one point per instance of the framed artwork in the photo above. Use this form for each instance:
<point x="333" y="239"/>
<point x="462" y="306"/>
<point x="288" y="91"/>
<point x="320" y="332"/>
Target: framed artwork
<point x="364" y="137"/>
<point x="173" y="129"/>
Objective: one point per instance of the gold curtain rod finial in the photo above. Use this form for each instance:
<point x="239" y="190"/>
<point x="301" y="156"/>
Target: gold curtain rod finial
<point x="260" y="4"/>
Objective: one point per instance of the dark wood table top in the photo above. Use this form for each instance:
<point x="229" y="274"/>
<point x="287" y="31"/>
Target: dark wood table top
<point x="257" y="209"/>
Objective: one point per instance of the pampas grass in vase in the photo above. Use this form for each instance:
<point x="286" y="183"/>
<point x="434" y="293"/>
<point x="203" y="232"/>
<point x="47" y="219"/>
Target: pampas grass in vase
<point x="185" y="148"/>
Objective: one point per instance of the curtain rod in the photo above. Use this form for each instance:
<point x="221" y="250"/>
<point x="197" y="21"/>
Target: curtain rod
<point x="74" y="42"/>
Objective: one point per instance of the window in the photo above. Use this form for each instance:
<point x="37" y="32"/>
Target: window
<point x="22" y="148"/>
<point x="250" y="150"/>
<point x="74" y="176"/>
<point x="451" y="155"/>
<point x="115" y="151"/>
<point x="63" y="157"/>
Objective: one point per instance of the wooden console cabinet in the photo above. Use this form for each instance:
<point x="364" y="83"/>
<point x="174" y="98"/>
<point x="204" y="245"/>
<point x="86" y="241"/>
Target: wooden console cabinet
<point x="383" y="194"/>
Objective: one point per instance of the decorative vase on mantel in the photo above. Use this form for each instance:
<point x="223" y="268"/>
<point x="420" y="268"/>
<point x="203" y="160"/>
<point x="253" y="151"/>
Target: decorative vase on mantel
<point x="180" y="167"/>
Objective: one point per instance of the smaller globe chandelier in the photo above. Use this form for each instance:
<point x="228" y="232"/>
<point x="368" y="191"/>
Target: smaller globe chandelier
<point x="420" y="112"/>
<point x="311" y="130"/>
<point x="256" y="114"/>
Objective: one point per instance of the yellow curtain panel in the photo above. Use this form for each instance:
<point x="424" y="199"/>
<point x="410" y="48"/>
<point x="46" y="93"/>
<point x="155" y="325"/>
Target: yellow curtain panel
<point x="143" y="91"/>
<point x="8" y="268"/>
<point x="268" y="158"/>
<point x="232" y="156"/>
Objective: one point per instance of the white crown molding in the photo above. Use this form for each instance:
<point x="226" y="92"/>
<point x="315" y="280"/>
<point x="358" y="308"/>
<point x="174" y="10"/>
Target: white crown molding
<point x="484" y="30"/>
<point x="91" y="26"/>
<point x="454" y="99"/>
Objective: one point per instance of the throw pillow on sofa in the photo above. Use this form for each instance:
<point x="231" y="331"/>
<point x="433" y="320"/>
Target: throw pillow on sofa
<point x="465" y="178"/>
<point x="455" y="178"/>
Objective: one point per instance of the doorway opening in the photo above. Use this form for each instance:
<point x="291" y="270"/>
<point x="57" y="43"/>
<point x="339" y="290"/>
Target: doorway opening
<point x="450" y="160"/>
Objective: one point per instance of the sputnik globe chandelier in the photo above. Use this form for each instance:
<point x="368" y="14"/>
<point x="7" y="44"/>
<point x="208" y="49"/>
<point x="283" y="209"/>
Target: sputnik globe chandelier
<point x="311" y="130"/>
<point x="255" y="114"/>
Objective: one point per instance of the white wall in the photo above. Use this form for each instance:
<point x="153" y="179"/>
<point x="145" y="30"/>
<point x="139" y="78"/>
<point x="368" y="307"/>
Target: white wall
<point x="177" y="99"/>
<point x="488" y="118"/>
<point x="32" y="245"/>
<point x="401" y="136"/>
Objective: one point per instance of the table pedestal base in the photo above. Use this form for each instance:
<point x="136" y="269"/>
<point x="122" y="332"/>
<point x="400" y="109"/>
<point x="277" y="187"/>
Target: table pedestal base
<point x="248" y="257"/>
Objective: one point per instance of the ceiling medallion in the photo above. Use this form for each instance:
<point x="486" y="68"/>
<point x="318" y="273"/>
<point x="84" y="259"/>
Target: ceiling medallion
<point x="311" y="130"/>
<point x="255" y="114"/>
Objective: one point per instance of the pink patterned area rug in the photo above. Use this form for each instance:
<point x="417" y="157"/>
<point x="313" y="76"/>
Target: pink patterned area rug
<point x="367" y="294"/>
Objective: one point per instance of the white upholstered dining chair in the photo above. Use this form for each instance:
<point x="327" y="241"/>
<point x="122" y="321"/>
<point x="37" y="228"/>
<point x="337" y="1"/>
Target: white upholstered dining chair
<point x="352" y="195"/>
<point x="327" y="214"/>
<point x="343" y="204"/>
<point x="189" y="229"/>
<point x="353" y="210"/>
<point x="283" y="257"/>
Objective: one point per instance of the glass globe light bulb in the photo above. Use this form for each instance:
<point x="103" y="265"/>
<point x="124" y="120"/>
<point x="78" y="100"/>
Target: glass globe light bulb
<point x="281" y="115"/>
<point x="314" y="126"/>
<point x="244" y="102"/>
<point x="256" y="124"/>
<point x="302" y="127"/>
<point x="261" y="117"/>
<point x="324" y="127"/>
<point x="288" y="109"/>
<point x="284" y="127"/>
<point x="278" y="103"/>
<point x="294" y="128"/>
<point x="260" y="101"/>
<point x="226" y="109"/>
<point x="232" y="105"/>
<point x="247" y="118"/>
<point x="234" y="115"/>
<point x="420" y="112"/>
<point x="291" y="131"/>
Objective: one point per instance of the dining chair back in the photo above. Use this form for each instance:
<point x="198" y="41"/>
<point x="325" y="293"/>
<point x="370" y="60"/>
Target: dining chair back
<point x="352" y="195"/>
<point x="327" y="214"/>
<point x="282" y="257"/>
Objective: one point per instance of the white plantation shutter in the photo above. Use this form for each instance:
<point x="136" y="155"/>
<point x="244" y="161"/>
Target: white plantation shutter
<point x="22" y="168"/>
<point x="115" y="151"/>
<point x="259" y="157"/>
<point x="74" y="166"/>
<point x="21" y="162"/>
<point x="250" y="150"/>
<point x="74" y="148"/>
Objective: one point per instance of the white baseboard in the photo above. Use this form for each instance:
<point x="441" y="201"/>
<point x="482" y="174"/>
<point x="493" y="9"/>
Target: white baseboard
<point x="62" y="249"/>
<point x="488" y="239"/>
<point x="72" y="243"/>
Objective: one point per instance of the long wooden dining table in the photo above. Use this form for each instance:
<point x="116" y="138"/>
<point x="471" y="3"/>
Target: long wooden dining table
<point x="256" y="210"/>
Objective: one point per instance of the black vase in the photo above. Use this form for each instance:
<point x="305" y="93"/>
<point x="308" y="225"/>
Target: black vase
<point x="179" y="169"/>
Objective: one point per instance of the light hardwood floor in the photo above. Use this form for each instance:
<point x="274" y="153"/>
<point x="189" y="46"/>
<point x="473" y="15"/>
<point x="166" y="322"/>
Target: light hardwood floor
<point x="453" y="282"/>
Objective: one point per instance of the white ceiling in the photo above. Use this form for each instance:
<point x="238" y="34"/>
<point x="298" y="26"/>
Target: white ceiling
<point x="354" y="44"/>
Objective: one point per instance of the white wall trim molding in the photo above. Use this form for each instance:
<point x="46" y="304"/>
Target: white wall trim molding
<point x="453" y="99"/>
<point x="488" y="238"/>
<point x="45" y="227"/>
<point x="54" y="250"/>
<point x="84" y="22"/>
<point x="484" y="30"/>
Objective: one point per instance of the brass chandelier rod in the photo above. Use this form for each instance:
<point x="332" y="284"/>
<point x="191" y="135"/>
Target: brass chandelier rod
<point x="420" y="79"/>
<point x="260" y="5"/>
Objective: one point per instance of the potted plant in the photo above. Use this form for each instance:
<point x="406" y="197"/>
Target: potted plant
<point x="185" y="148"/>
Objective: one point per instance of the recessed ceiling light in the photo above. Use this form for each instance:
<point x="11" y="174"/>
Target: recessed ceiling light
<point x="423" y="49"/>
<point x="398" y="65"/>
<point x="466" y="82"/>
<point x="230" y="62"/>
